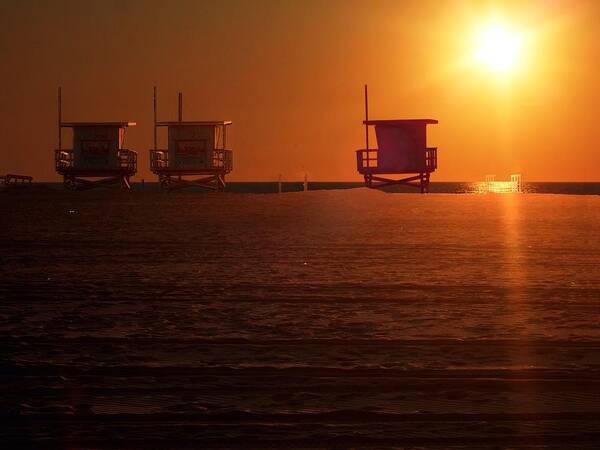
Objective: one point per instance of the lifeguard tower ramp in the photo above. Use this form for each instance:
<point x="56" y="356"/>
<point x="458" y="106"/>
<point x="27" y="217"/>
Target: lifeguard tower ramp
<point x="401" y="149"/>
<point x="194" y="149"/>
<point x="97" y="157"/>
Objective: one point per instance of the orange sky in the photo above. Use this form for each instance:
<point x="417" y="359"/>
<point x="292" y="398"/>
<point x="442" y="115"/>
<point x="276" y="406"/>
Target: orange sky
<point x="290" y="75"/>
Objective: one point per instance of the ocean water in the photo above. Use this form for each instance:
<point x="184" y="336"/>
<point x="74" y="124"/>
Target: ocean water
<point x="269" y="187"/>
<point x="331" y="318"/>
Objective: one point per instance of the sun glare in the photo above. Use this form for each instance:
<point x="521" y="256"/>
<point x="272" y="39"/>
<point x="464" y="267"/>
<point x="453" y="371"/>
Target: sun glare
<point x="498" y="48"/>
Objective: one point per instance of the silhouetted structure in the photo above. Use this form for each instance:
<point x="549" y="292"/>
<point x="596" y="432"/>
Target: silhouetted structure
<point x="97" y="152"/>
<point x="193" y="149"/>
<point x="402" y="149"/>
<point x="13" y="180"/>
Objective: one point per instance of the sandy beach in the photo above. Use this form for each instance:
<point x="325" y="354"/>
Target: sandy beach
<point x="302" y="320"/>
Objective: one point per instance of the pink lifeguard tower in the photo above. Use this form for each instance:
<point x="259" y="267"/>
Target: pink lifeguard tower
<point x="401" y="149"/>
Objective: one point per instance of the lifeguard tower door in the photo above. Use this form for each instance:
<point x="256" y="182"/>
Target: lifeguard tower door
<point x="96" y="147"/>
<point x="191" y="146"/>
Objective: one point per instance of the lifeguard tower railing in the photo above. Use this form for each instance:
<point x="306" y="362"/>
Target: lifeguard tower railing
<point x="64" y="161"/>
<point x="367" y="161"/>
<point x="221" y="161"/>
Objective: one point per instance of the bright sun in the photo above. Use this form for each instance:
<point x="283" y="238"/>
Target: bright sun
<point x="498" y="48"/>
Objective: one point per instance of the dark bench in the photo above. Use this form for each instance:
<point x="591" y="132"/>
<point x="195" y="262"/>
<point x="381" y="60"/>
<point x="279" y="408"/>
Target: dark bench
<point x="17" y="179"/>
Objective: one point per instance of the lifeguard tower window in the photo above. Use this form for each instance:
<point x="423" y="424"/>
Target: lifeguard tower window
<point x="96" y="147"/>
<point x="191" y="146"/>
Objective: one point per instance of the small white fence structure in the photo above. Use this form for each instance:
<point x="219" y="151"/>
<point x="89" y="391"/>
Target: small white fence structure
<point x="515" y="185"/>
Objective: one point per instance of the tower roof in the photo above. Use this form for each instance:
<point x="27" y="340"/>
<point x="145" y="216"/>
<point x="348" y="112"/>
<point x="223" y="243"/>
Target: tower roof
<point x="97" y="124"/>
<point x="400" y="122"/>
<point x="214" y="123"/>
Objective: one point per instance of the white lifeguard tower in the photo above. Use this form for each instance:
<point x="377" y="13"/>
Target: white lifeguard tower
<point x="401" y="149"/>
<point x="193" y="149"/>
<point x="97" y="157"/>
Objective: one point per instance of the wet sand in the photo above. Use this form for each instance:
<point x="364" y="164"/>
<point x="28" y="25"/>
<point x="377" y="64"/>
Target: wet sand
<point x="307" y="320"/>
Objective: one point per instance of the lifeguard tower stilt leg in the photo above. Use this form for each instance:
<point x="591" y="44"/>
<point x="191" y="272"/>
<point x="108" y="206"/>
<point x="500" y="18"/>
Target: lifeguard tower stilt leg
<point x="213" y="182"/>
<point x="425" y="182"/>
<point x="74" y="183"/>
<point x="420" y="182"/>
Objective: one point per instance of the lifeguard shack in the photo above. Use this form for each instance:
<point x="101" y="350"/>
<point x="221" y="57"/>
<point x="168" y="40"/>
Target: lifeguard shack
<point x="97" y="157"/>
<point x="401" y="149"/>
<point x="193" y="149"/>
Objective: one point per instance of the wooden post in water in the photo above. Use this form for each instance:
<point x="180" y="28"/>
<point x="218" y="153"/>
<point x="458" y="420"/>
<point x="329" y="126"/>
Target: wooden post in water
<point x="180" y="107"/>
<point x="305" y="182"/>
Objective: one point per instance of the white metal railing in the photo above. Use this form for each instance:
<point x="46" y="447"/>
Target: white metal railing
<point x="159" y="159"/>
